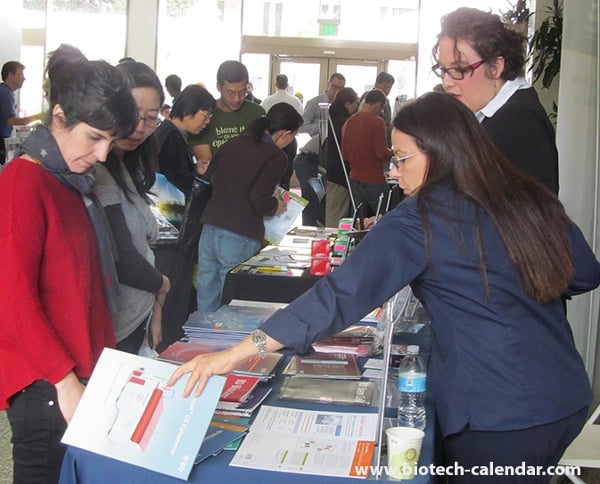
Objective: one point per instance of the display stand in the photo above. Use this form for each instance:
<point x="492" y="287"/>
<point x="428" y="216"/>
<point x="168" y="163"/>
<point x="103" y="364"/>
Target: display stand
<point x="393" y="311"/>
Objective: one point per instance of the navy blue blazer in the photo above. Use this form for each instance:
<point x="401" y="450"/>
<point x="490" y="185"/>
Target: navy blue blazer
<point x="500" y="361"/>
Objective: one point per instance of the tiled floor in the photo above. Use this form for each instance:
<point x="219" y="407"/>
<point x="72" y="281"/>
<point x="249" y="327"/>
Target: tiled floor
<point x="5" y="450"/>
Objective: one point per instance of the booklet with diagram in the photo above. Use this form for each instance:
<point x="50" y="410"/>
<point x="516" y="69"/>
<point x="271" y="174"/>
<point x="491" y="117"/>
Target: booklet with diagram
<point x="309" y="442"/>
<point x="129" y="414"/>
<point x="277" y="226"/>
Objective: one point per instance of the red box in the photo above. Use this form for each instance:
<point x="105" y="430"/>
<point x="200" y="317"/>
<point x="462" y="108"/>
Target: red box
<point x="320" y="266"/>
<point x="320" y="248"/>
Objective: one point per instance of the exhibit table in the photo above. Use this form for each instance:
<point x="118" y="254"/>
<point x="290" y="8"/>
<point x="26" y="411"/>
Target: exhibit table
<point x="83" y="467"/>
<point x="245" y="282"/>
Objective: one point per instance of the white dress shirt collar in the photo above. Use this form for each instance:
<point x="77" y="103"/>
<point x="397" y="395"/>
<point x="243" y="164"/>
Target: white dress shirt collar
<point x="499" y="100"/>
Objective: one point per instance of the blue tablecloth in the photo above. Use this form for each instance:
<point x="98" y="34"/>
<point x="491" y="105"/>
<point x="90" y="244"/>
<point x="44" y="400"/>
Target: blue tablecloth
<point x="83" y="467"/>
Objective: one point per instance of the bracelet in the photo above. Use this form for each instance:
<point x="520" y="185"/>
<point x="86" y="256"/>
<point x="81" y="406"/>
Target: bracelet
<point x="259" y="339"/>
<point x="157" y="302"/>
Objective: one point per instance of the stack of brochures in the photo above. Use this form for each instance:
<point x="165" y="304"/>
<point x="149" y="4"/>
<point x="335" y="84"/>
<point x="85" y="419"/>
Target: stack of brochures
<point x="232" y="322"/>
<point x="222" y="434"/>
<point x="246" y="408"/>
<point x="356" y="340"/>
<point x="324" y="365"/>
<point x="184" y="350"/>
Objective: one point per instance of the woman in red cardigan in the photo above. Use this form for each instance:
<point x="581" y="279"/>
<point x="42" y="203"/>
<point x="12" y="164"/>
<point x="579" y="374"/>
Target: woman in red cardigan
<point x="57" y="267"/>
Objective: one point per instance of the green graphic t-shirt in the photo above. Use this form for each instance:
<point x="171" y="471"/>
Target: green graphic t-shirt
<point x="225" y="125"/>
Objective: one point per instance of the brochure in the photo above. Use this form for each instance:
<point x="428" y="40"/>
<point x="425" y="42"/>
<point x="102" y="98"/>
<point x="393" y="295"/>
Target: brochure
<point x="220" y="435"/>
<point x="309" y="442"/>
<point x="318" y="390"/>
<point x="277" y="226"/>
<point x="129" y="414"/>
<point x="324" y="365"/>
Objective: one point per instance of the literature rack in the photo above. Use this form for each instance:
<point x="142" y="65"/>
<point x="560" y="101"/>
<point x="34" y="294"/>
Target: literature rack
<point x="399" y="310"/>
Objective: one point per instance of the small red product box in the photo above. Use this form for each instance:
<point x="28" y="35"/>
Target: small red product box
<point x="320" y="266"/>
<point x="320" y="248"/>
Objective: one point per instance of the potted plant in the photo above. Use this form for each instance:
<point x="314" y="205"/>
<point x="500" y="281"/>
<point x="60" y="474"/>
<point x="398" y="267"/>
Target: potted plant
<point x="545" y="46"/>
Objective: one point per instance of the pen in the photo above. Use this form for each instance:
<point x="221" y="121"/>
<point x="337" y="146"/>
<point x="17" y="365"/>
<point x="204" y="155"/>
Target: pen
<point x="271" y="269"/>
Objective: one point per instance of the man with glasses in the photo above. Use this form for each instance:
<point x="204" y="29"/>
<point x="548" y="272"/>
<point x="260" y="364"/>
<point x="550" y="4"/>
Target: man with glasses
<point x="231" y="114"/>
<point x="311" y="112"/>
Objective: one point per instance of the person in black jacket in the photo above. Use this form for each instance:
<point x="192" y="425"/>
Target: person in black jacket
<point x="481" y="62"/>
<point x="337" y="202"/>
<point x="191" y="113"/>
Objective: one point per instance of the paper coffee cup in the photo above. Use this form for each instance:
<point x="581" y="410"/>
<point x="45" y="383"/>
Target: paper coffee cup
<point x="403" y="451"/>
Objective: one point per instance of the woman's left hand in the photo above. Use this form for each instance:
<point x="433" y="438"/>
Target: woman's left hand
<point x="202" y="367"/>
<point x="281" y="206"/>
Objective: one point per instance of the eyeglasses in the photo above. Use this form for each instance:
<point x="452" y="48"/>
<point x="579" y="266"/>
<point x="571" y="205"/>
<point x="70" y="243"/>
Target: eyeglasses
<point x="396" y="162"/>
<point x="150" y="121"/>
<point x="230" y="93"/>
<point x="456" y="73"/>
<point x="206" y="115"/>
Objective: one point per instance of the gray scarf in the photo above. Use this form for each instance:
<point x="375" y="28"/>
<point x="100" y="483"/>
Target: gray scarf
<point x="42" y="147"/>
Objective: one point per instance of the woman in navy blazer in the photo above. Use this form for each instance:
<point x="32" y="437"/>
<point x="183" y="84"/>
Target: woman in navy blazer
<point x="489" y="252"/>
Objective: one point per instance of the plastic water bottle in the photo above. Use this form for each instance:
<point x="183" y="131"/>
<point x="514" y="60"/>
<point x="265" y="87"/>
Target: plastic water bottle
<point x="412" y="378"/>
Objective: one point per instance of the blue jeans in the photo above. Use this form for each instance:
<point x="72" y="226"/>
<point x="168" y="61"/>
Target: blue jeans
<point x="219" y="251"/>
<point x="37" y="427"/>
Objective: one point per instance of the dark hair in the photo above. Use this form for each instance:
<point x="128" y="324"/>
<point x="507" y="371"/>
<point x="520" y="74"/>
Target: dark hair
<point x="384" y="78"/>
<point x="232" y="71"/>
<point x="488" y="36"/>
<point x="91" y="92"/>
<point x="10" y="67"/>
<point x="142" y="162"/>
<point x="281" y="81"/>
<point x="343" y="96"/>
<point x="281" y="116"/>
<point x="337" y="75"/>
<point x="375" y="96"/>
<point x="530" y="219"/>
<point x="191" y="100"/>
<point x="173" y="81"/>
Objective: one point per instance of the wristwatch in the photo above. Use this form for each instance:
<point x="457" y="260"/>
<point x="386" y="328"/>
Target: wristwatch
<point x="259" y="339"/>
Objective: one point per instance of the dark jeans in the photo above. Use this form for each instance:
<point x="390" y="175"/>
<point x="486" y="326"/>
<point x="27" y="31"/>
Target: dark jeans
<point x="306" y="166"/>
<point x="37" y="427"/>
<point x="132" y="343"/>
<point x="542" y="445"/>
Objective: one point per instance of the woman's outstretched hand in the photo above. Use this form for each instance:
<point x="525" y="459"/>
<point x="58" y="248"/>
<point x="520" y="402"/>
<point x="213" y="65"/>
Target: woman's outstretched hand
<point x="202" y="367"/>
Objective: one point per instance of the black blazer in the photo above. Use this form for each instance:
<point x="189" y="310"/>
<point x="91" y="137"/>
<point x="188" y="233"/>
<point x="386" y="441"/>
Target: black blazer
<point x="524" y="134"/>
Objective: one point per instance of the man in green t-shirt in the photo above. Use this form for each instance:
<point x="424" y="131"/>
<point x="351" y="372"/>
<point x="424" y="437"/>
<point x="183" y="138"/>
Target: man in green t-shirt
<point x="231" y="114"/>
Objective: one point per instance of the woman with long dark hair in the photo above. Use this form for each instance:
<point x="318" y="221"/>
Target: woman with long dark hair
<point x="122" y="185"/>
<point x="57" y="284"/>
<point x="489" y="252"/>
<point x="244" y="174"/>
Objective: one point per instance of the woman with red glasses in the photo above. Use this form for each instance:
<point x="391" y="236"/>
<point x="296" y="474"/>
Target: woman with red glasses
<point x="481" y="62"/>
